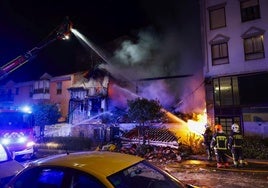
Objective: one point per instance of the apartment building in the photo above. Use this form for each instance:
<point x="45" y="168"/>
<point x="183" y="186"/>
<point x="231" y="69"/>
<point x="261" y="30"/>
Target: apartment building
<point x="235" y="50"/>
<point x="77" y="97"/>
<point x="14" y="95"/>
<point x="45" y="89"/>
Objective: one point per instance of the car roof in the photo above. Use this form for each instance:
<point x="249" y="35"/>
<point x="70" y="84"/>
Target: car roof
<point x="99" y="163"/>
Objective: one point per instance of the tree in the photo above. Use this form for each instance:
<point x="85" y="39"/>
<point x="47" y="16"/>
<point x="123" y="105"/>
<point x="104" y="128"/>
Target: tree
<point x="45" y="114"/>
<point x="144" y="111"/>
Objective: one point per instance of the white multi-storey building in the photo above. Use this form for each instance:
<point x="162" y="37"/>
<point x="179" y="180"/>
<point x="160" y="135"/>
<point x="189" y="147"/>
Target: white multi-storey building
<point x="235" y="48"/>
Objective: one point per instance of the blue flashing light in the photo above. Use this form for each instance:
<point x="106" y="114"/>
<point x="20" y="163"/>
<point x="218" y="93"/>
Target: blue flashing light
<point x="26" y="109"/>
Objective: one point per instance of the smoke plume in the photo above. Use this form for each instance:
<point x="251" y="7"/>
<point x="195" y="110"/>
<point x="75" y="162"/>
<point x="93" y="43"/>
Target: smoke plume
<point x="173" y="50"/>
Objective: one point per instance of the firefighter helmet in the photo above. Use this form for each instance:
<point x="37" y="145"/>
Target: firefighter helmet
<point x="218" y="128"/>
<point x="235" y="128"/>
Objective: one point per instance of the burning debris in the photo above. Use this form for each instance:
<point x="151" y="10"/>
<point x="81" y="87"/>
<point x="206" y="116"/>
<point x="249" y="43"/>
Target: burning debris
<point x="161" y="145"/>
<point x="152" y="153"/>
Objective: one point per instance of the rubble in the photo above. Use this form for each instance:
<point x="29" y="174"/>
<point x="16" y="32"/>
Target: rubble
<point x="162" y="154"/>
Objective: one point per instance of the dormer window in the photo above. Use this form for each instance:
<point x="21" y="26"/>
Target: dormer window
<point x="253" y="43"/>
<point x="219" y="50"/>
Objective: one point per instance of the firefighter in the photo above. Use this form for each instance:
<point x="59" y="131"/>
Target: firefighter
<point x="219" y="143"/>
<point x="207" y="140"/>
<point x="235" y="145"/>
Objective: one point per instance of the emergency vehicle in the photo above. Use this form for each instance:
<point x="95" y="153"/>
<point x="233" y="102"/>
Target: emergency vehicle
<point x="17" y="126"/>
<point x="17" y="132"/>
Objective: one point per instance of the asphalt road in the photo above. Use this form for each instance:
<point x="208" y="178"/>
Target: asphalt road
<point x="196" y="170"/>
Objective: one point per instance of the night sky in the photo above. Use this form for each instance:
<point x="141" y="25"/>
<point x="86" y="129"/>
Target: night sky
<point x="167" y="33"/>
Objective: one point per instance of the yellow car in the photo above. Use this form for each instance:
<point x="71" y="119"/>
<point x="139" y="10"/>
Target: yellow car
<point x="96" y="169"/>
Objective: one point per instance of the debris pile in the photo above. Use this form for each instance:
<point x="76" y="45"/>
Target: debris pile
<point x="156" y="144"/>
<point x="151" y="153"/>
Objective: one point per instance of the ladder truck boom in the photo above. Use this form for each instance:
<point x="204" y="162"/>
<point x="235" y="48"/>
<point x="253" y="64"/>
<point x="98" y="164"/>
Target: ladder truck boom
<point x="62" y="32"/>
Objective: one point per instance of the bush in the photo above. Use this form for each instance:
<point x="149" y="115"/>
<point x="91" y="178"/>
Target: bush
<point x="65" y="143"/>
<point x="255" y="147"/>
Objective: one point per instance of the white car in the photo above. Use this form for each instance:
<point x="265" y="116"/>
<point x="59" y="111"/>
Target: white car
<point x="9" y="167"/>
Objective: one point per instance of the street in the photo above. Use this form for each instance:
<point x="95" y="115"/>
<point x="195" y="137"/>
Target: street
<point x="196" y="170"/>
<point x="202" y="173"/>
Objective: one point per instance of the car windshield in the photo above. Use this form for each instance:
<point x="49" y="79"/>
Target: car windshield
<point x="14" y="120"/>
<point x="144" y="174"/>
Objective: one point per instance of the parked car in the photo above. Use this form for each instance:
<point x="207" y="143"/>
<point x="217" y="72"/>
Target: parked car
<point x="98" y="169"/>
<point x="8" y="166"/>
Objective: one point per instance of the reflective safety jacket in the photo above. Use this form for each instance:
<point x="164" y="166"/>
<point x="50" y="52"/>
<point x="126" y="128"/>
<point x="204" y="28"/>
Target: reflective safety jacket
<point x="219" y="141"/>
<point x="235" y="140"/>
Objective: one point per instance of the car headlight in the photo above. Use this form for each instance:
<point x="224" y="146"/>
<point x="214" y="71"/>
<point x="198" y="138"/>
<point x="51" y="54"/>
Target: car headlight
<point x="5" y="141"/>
<point x="22" y="139"/>
<point x="30" y="144"/>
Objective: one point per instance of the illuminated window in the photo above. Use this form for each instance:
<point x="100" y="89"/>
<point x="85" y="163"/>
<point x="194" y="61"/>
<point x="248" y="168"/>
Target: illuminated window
<point x="219" y="50"/>
<point x="226" y="92"/>
<point x="217" y="17"/>
<point x="253" y="43"/>
<point x="250" y="10"/>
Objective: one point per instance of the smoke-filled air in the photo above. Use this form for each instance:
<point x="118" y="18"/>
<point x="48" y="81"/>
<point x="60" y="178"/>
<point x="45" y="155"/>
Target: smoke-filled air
<point x="164" y="63"/>
<point x="156" y="65"/>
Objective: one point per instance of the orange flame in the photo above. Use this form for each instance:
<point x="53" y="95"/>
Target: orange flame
<point x="198" y="125"/>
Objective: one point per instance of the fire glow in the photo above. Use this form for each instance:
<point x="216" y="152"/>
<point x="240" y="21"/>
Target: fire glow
<point x="195" y="125"/>
<point x="198" y="125"/>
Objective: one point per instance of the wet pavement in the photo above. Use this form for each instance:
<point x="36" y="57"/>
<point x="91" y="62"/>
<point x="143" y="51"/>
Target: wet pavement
<point x="202" y="173"/>
<point x="196" y="170"/>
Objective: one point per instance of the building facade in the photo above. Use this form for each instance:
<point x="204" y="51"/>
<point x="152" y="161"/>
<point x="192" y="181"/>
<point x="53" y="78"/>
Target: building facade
<point x="235" y="48"/>
<point x="78" y="98"/>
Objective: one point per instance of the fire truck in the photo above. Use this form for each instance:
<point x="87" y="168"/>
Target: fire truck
<point x="17" y="133"/>
<point x="16" y="125"/>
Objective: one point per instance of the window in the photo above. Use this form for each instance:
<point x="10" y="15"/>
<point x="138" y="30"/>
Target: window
<point x="56" y="177"/>
<point x="80" y="180"/>
<point x="226" y="91"/>
<point x="219" y="54"/>
<point x="52" y="178"/>
<point x="253" y="43"/>
<point x="59" y="88"/>
<point x="41" y="86"/>
<point x="219" y="50"/>
<point x="252" y="90"/>
<point x="142" y="174"/>
<point x="250" y="10"/>
<point x="253" y="47"/>
<point x="226" y="123"/>
<point x="217" y="17"/>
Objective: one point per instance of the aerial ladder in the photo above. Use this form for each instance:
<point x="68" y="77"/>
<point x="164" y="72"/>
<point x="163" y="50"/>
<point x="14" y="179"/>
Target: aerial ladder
<point x="62" y="32"/>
